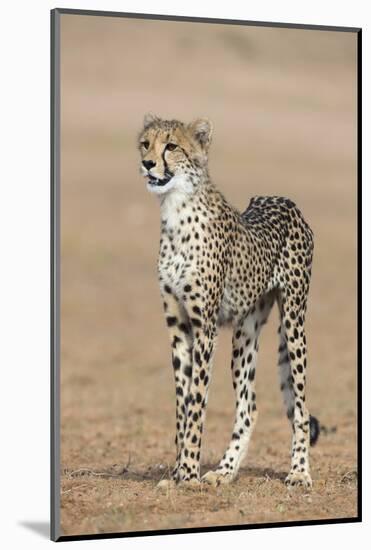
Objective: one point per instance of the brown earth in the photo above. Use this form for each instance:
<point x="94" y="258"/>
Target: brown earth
<point x="283" y="103"/>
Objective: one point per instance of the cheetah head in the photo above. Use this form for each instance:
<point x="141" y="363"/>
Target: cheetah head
<point x="173" y="154"/>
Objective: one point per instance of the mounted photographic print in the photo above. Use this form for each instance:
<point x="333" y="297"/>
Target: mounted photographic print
<point x="205" y="201"/>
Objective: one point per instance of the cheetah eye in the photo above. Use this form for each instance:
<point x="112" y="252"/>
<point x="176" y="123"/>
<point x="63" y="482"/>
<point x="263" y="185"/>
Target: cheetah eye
<point x="145" y="144"/>
<point x="171" y="146"/>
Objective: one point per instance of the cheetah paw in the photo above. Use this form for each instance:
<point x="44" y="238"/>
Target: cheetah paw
<point x="166" y="484"/>
<point x="216" y="478"/>
<point x="194" y="482"/>
<point x="298" y="479"/>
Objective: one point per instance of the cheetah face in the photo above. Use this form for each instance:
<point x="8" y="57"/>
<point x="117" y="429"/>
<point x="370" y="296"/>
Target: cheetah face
<point x="173" y="154"/>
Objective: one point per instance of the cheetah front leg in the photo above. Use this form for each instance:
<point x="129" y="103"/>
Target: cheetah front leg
<point x="244" y="362"/>
<point x="203" y="346"/>
<point x="180" y="333"/>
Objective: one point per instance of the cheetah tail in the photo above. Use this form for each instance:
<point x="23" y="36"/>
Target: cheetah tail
<point x="314" y="429"/>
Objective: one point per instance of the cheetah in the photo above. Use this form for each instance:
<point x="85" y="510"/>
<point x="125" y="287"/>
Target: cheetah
<point x="218" y="267"/>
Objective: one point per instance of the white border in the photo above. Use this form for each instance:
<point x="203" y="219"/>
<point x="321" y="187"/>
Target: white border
<point x="24" y="300"/>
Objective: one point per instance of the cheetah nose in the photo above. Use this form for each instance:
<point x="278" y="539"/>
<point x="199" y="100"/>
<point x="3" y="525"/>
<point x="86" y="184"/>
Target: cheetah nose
<point x="148" y="164"/>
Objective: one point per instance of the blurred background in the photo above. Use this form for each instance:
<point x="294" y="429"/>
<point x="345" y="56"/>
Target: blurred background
<point x="283" y="104"/>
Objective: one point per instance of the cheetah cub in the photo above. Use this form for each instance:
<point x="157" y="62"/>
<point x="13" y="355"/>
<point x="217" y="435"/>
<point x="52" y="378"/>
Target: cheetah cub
<point x="216" y="267"/>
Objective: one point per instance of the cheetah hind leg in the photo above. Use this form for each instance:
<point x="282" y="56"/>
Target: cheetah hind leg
<point x="244" y="361"/>
<point x="292" y="362"/>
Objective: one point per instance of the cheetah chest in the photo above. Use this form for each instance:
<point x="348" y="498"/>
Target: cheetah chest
<point x="173" y="271"/>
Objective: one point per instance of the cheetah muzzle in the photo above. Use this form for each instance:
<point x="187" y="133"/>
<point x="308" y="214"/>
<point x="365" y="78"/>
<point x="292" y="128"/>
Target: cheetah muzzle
<point x="218" y="267"/>
<point x="159" y="182"/>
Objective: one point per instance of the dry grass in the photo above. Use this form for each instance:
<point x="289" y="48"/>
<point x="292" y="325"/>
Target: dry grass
<point x="283" y="105"/>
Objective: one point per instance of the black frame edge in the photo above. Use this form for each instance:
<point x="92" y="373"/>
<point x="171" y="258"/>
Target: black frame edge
<point x="359" y="269"/>
<point x="195" y="19"/>
<point x="214" y="529"/>
<point x="54" y="275"/>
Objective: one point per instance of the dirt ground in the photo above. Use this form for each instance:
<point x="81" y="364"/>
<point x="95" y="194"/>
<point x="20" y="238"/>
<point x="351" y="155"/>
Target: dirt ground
<point x="283" y="103"/>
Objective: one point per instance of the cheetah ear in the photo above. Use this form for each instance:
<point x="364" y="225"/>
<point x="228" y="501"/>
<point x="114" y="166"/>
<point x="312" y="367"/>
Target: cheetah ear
<point x="202" y="130"/>
<point x="149" y="119"/>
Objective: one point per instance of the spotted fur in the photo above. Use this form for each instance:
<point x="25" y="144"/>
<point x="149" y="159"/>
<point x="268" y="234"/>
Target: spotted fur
<point x="220" y="267"/>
